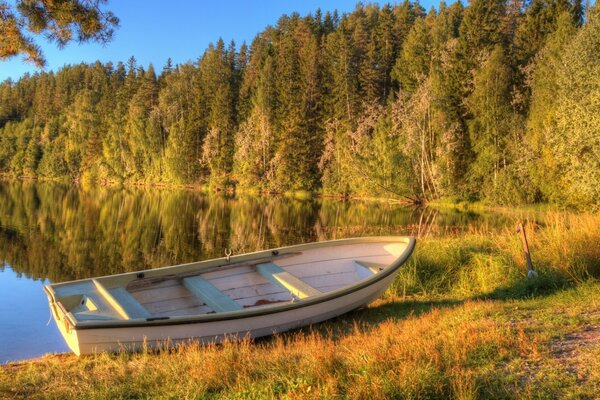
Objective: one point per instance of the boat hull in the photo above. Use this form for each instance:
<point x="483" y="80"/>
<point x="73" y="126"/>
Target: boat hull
<point x="215" y="328"/>
<point x="91" y="341"/>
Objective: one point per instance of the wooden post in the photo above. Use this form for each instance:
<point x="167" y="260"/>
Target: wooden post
<point x="530" y="272"/>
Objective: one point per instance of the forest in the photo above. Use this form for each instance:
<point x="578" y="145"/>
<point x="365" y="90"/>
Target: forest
<point x="496" y="101"/>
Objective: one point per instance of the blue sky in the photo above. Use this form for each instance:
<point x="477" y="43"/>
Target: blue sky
<point x="153" y="30"/>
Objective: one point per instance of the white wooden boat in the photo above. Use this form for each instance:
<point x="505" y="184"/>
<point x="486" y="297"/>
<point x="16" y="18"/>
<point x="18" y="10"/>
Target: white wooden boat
<point x="247" y="295"/>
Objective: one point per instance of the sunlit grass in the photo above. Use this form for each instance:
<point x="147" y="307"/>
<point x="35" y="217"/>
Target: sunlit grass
<point x="461" y="321"/>
<point x="565" y="249"/>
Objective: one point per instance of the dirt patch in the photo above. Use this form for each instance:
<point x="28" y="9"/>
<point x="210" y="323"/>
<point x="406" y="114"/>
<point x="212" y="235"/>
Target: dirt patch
<point x="573" y="351"/>
<point x="574" y="342"/>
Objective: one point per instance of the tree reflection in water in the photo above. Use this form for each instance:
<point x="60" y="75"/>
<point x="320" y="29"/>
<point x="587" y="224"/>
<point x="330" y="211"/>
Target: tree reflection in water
<point x="63" y="232"/>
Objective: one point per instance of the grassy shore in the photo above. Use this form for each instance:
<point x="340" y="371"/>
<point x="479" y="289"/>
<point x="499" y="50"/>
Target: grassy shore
<point x="461" y="321"/>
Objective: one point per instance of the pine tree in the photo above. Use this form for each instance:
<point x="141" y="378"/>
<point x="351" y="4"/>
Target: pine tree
<point x="144" y="136"/>
<point x="384" y="100"/>
<point x="540" y="20"/>
<point x="451" y="143"/>
<point x="481" y="27"/>
<point x="114" y="145"/>
<point x="57" y="21"/>
<point x="492" y="123"/>
<point x="414" y="62"/>
<point x="181" y="124"/>
<point x="254" y="140"/>
<point x="81" y="126"/>
<point x="217" y="74"/>
<point x="297" y="115"/>
<point x="343" y="76"/>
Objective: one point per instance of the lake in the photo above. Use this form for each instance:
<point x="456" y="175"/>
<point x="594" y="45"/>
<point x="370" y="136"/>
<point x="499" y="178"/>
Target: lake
<point x="53" y="232"/>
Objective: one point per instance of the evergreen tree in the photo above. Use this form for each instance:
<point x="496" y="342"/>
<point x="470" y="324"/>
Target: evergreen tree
<point x="142" y="132"/>
<point x="254" y="140"/>
<point x="494" y="123"/>
<point x="481" y="27"/>
<point x="539" y="21"/>
<point x="81" y="128"/>
<point x="181" y="124"/>
<point x="217" y="74"/>
<point x="342" y="73"/>
<point x="414" y="62"/>
<point x="58" y="21"/>
<point x="297" y="115"/>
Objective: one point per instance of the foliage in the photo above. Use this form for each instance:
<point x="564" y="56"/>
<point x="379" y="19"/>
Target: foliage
<point x="575" y="140"/>
<point x="494" y="101"/>
<point x="58" y="21"/>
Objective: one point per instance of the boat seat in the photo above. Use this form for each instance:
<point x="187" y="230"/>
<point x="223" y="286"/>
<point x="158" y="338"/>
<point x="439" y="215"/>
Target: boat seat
<point x="210" y="294"/>
<point x="131" y="306"/>
<point x="279" y="277"/>
<point x="121" y="301"/>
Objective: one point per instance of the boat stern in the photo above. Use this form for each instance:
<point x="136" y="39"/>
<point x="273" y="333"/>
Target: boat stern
<point x="63" y="318"/>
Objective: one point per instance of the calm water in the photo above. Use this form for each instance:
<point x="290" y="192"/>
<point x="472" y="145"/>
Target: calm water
<point x="53" y="233"/>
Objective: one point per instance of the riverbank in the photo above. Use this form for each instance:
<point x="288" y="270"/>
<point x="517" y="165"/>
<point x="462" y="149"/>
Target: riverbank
<point x="461" y="321"/>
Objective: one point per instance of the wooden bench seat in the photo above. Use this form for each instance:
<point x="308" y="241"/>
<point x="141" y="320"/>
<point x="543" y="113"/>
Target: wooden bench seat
<point x="279" y="277"/>
<point x="211" y="295"/>
<point x="131" y="306"/>
<point x="121" y="301"/>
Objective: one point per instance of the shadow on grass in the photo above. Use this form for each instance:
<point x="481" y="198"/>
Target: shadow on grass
<point x="367" y="319"/>
<point x="370" y="318"/>
<point x="526" y="288"/>
<point x="398" y="310"/>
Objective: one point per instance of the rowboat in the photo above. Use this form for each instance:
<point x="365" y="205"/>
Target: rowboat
<point x="248" y="295"/>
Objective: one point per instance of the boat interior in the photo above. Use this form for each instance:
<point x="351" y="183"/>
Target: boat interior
<point x="196" y="289"/>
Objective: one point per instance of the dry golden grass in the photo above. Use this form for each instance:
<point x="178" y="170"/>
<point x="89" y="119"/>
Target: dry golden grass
<point x="462" y="321"/>
<point x="470" y="349"/>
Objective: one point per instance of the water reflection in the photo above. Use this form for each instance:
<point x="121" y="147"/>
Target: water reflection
<point x="63" y="232"/>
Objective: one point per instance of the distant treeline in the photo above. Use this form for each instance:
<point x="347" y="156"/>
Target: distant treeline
<point x="498" y="101"/>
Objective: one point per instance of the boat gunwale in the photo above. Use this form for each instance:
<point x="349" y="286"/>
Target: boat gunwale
<point x="249" y="312"/>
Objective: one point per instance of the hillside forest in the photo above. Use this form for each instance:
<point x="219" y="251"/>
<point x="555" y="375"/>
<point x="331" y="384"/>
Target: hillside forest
<point x="495" y="100"/>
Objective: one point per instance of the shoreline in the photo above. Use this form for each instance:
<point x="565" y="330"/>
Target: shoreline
<point x="443" y="203"/>
<point x="462" y="318"/>
<point x="531" y="345"/>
